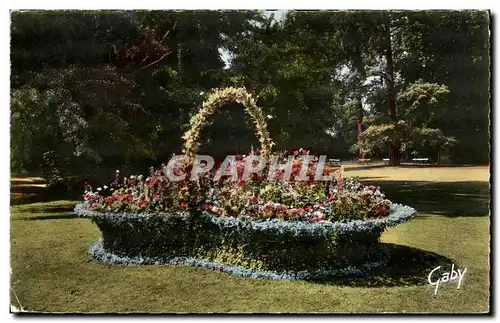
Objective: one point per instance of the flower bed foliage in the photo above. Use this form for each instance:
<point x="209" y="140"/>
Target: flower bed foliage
<point x="271" y="221"/>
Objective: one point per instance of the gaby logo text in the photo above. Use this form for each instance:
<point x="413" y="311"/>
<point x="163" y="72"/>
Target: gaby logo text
<point x="447" y="277"/>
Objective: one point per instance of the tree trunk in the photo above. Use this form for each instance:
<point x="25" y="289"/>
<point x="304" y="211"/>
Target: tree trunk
<point x="395" y="147"/>
<point x="359" y="66"/>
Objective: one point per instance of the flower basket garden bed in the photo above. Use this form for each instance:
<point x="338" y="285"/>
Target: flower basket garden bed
<point x="250" y="217"/>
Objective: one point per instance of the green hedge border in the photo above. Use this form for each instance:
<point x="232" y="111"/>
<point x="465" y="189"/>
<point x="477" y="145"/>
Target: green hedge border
<point x="98" y="252"/>
<point x="258" y="246"/>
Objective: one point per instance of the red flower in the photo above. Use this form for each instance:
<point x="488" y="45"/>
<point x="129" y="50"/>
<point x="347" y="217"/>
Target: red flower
<point x="308" y="208"/>
<point x="184" y="205"/>
<point x="130" y="197"/>
<point x="219" y="212"/>
<point x="295" y="152"/>
<point x="177" y="172"/>
<point x="321" y="204"/>
<point x="241" y="182"/>
<point x="156" y="196"/>
<point x="371" y="188"/>
<point x="253" y="199"/>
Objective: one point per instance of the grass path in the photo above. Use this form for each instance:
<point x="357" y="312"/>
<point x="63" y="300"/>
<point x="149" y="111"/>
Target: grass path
<point x="52" y="272"/>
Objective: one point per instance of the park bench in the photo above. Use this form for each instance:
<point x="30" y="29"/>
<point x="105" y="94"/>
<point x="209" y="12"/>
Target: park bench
<point x="420" y="160"/>
<point x="364" y="160"/>
<point x="334" y="161"/>
<point x="386" y="160"/>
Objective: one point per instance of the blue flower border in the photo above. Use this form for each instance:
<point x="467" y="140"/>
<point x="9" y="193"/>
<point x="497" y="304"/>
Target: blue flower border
<point x="398" y="214"/>
<point x="98" y="252"/>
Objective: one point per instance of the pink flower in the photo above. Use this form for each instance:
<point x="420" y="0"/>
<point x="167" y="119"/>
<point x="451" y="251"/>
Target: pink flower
<point x="321" y="204"/>
<point x="340" y="183"/>
<point x="253" y="199"/>
<point x="295" y="152"/>
<point x="184" y="205"/>
<point x="156" y="196"/>
<point x="308" y="208"/>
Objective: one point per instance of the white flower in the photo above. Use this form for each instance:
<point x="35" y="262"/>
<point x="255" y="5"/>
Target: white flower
<point x="201" y="93"/>
<point x="117" y="171"/>
<point x="105" y="187"/>
<point x="318" y="213"/>
<point x="99" y="188"/>
<point x="269" y="116"/>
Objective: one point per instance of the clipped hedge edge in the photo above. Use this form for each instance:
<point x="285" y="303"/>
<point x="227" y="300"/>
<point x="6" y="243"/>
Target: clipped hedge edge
<point x="97" y="251"/>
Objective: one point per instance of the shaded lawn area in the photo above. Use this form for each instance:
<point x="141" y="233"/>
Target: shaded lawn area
<point x="52" y="272"/>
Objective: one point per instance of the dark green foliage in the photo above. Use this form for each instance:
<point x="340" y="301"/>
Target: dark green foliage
<point x="77" y="97"/>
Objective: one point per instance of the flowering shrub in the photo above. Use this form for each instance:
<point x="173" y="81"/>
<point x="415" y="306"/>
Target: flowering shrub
<point x="305" y="200"/>
<point x="137" y="194"/>
<point x="256" y="198"/>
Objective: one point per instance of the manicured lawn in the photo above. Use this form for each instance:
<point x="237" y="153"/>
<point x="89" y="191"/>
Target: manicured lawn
<point x="52" y="272"/>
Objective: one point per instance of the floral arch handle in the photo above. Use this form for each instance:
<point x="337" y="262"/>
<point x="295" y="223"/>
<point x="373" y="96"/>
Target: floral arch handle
<point x="217" y="99"/>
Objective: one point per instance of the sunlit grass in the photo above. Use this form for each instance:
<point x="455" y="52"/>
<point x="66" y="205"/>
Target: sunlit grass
<point x="51" y="270"/>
